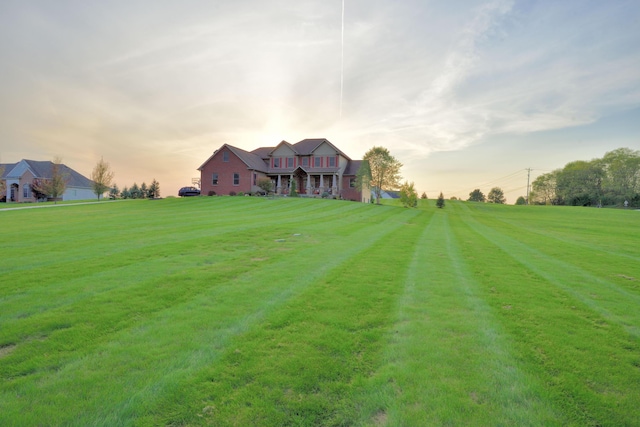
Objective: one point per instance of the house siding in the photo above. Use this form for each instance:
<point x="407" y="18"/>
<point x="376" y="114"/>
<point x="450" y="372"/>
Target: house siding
<point x="225" y="171"/>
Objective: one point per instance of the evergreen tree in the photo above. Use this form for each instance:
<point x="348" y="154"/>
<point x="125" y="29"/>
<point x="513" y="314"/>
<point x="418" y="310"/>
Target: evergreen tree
<point x="440" y="201"/>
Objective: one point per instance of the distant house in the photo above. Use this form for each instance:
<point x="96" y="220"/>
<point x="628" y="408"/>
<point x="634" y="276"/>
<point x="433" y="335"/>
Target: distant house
<point x="19" y="176"/>
<point x="315" y="165"/>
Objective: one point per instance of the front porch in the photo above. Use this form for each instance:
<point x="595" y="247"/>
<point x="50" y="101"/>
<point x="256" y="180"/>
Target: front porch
<point x="307" y="184"/>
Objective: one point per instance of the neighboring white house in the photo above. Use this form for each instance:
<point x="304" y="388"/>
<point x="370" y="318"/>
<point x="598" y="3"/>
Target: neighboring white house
<point x="18" y="177"/>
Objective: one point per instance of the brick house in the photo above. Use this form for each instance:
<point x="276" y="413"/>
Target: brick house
<point x="315" y="165"/>
<point x="18" y="177"/>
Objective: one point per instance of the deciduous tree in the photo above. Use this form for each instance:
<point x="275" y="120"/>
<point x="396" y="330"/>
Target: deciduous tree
<point x="408" y="195"/>
<point x="476" y="196"/>
<point x="383" y="171"/>
<point x="101" y="177"/>
<point x="521" y="201"/>
<point x="496" y="195"/>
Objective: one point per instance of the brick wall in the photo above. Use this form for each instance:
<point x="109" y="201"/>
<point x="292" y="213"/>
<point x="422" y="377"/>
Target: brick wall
<point x="225" y="171"/>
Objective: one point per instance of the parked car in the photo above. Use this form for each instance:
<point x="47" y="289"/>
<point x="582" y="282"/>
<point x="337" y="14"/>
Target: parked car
<point x="188" y="191"/>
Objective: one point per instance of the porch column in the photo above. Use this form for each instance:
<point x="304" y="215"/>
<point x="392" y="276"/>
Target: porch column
<point x="308" y="184"/>
<point x="334" y="190"/>
<point x="279" y="186"/>
<point x="321" y="184"/>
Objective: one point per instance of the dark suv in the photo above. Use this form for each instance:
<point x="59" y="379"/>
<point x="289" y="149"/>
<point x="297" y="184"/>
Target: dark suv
<point x="188" y="191"/>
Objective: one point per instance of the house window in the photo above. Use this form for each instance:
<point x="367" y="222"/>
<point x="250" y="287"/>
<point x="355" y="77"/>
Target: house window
<point x="317" y="162"/>
<point x="276" y="162"/>
<point x="214" y="179"/>
<point x="332" y="161"/>
<point x="255" y="178"/>
<point x="236" y="179"/>
<point x="305" y="161"/>
<point x="26" y="193"/>
<point x="352" y="182"/>
<point x="289" y="162"/>
<point x="225" y="156"/>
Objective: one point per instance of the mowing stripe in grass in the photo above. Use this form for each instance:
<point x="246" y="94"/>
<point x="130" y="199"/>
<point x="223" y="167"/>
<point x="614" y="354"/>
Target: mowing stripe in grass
<point x="447" y="361"/>
<point x="588" y="363"/>
<point x="240" y="301"/>
<point x="606" y="298"/>
<point x="296" y="366"/>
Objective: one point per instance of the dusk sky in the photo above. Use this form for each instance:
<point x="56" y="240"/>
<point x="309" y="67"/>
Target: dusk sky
<point x="466" y="94"/>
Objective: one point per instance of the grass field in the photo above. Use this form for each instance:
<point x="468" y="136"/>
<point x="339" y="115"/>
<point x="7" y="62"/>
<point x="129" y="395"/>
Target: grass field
<point x="254" y="311"/>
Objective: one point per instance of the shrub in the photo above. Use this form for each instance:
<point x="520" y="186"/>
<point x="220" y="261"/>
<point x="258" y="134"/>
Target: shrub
<point x="211" y="193"/>
<point x="325" y="195"/>
<point x="240" y="193"/>
<point x="232" y="193"/>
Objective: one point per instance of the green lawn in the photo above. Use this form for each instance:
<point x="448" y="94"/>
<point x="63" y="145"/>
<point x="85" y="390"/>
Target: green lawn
<point x="255" y="311"/>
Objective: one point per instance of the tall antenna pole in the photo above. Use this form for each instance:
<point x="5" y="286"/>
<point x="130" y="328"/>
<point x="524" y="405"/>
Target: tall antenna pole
<point x="528" y="176"/>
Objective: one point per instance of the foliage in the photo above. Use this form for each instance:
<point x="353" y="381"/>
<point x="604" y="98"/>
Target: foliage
<point x="102" y="176"/>
<point x="384" y="170"/>
<point x="266" y="184"/>
<point x="114" y="192"/>
<point x="544" y="189"/>
<point x="53" y="186"/>
<point x="144" y="191"/>
<point x="154" y="190"/>
<point x="408" y="195"/>
<point x="292" y="190"/>
<point x="607" y="181"/>
<point x="476" y="196"/>
<point x="423" y="196"/>
<point x="496" y="195"/>
<point x="580" y="183"/>
<point x="39" y="188"/>
<point x="521" y="201"/>
<point x="440" y="201"/>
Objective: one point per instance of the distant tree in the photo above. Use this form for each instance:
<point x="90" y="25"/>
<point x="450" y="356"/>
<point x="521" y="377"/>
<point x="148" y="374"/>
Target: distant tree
<point x="135" y="191"/>
<point x="544" y="189"/>
<point x="580" y="183"/>
<point x="453" y="198"/>
<point x="622" y="175"/>
<point x="521" y="201"/>
<point x="53" y="186"/>
<point x="101" y="177"/>
<point x="114" y="192"/>
<point x="476" y="196"/>
<point x="496" y="195"/>
<point x="424" y="195"/>
<point x="144" y="191"/>
<point x="384" y="170"/>
<point x="292" y="190"/>
<point x="440" y="201"/>
<point x="39" y="189"/>
<point x="125" y="193"/>
<point x="265" y="185"/>
<point x="153" y="192"/>
<point x="408" y="195"/>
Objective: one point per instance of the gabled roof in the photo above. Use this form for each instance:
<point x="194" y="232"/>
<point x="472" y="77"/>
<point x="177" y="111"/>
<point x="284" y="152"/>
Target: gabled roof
<point x="308" y="146"/>
<point x="252" y="160"/>
<point x="283" y="142"/>
<point x="7" y="168"/>
<point x="44" y="169"/>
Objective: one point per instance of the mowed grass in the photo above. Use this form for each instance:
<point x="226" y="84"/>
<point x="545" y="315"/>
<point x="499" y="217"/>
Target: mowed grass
<point x="255" y="311"/>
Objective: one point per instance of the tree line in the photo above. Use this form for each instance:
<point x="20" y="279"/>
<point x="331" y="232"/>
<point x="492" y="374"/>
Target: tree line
<point x="613" y="180"/>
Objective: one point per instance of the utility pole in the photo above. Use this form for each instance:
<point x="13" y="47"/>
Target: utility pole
<point x="528" y="176"/>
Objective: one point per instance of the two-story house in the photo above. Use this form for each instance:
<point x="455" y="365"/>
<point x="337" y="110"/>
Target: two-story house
<point x="315" y="165"/>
